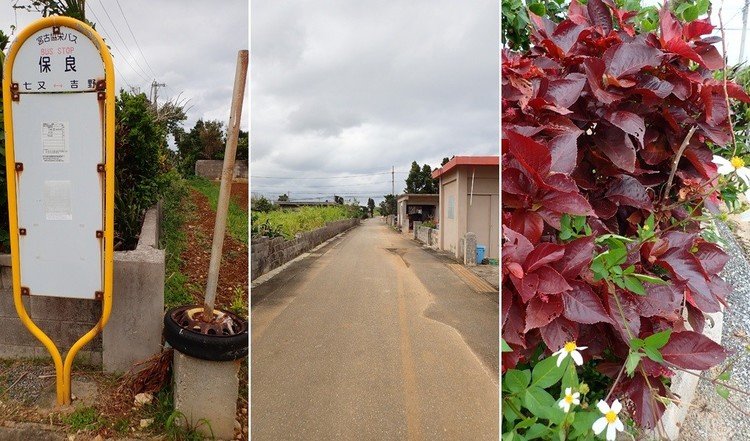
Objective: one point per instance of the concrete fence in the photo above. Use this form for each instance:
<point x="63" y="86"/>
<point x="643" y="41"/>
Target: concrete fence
<point x="211" y="168"/>
<point x="269" y="253"/>
<point x="133" y="332"/>
<point x="426" y="235"/>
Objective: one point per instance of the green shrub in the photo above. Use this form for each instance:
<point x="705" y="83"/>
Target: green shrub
<point x="291" y="222"/>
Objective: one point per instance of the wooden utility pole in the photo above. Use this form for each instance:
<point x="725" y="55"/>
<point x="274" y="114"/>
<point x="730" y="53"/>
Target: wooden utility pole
<point x="393" y="180"/>
<point x="222" y="206"/>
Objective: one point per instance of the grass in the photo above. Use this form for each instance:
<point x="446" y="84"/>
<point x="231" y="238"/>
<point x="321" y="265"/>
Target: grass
<point x="239" y="301"/>
<point x="84" y="419"/>
<point x="167" y="419"/>
<point x="237" y="219"/>
<point x="298" y="220"/>
<point x="176" y="207"/>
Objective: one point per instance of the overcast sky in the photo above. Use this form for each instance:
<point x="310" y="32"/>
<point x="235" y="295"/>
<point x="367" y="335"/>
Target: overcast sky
<point x="343" y="88"/>
<point x="190" y="45"/>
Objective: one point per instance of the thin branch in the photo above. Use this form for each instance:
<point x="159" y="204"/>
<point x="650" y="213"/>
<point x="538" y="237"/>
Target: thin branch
<point x="709" y="379"/>
<point x="677" y="158"/>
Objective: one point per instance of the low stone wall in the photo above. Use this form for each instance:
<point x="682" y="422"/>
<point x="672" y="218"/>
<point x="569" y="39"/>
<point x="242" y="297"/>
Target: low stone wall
<point x="428" y="236"/>
<point x="211" y="168"/>
<point x="269" y="253"/>
<point x="133" y="332"/>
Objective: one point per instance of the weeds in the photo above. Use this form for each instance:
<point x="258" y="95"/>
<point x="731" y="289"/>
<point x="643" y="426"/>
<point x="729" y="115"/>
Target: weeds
<point x="84" y="419"/>
<point x="176" y="206"/>
<point x="171" y="422"/>
<point x="239" y="301"/>
<point x="290" y="222"/>
<point x="237" y="221"/>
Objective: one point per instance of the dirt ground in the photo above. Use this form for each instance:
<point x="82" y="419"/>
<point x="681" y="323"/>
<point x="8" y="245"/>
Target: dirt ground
<point x="239" y="194"/>
<point x="233" y="274"/>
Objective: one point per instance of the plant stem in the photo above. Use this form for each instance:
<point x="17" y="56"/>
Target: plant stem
<point x="677" y="158"/>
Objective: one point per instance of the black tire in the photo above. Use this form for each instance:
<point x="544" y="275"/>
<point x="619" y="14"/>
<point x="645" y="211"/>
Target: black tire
<point x="203" y="346"/>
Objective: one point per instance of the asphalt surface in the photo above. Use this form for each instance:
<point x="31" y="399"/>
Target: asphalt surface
<point x="372" y="337"/>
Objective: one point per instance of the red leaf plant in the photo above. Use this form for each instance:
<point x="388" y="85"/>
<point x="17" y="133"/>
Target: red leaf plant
<point x="594" y="116"/>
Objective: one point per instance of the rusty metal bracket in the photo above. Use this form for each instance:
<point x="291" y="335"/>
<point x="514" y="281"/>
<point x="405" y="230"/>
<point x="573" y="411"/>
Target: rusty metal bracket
<point x="99" y="234"/>
<point x="55" y="29"/>
<point x="22" y="231"/>
<point x="98" y="295"/>
<point x="100" y="168"/>
<point x="15" y="95"/>
<point x="101" y="85"/>
<point x="19" y="166"/>
<point x="25" y="291"/>
<point x="101" y="96"/>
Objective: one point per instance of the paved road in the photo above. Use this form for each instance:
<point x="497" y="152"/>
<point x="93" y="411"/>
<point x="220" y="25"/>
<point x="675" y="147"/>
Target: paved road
<point x="373" y="338"/>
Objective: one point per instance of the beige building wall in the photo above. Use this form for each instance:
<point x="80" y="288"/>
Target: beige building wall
<point x="475" y="209"/>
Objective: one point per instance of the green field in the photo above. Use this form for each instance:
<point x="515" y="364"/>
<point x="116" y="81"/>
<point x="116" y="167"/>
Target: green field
<point x="292" y="221"/>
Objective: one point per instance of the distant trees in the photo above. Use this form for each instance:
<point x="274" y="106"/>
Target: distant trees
<point x="371" y="206"/>
<point x="283" y="197"/>
<point x="338" y="199"/>
<point x="420" y="180"/>
<point x="388" y="206"/>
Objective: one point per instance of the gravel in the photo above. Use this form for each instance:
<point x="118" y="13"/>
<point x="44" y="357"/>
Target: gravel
<point x="712" y="418"/>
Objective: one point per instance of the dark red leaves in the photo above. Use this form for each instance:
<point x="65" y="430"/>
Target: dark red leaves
<point x="541" y="311"/>
<point x="629" y="58"/>
<point x="593" y="117"/>
<point x="582" y="305"/>
<point x="626" y="190"/>
<point x="647" y="409"/>
<point x="690" y="350"/>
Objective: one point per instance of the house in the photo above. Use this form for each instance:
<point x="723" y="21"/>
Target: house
<point x="470" y="202"/>
<point x="415" y="207"/>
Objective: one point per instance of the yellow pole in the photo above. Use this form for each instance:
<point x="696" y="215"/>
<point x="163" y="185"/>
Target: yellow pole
<point x="63" y="371"/>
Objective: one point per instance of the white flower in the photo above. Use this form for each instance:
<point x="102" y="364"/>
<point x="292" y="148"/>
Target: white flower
<point x="609" y="420"/>
<point x="570" y="348"/>
<point x="736" y="165"/>
<point x="569" y="399"/>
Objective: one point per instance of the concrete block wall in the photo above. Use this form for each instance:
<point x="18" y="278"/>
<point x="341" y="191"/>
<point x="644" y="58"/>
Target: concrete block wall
<point x="269" y="253"/>
<point x="134" y="329"/>
<point x="428" y="236"/>
<point x="211" y="168"/>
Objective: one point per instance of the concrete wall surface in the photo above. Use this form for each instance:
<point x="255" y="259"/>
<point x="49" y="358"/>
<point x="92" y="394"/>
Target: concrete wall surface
<point x="133" y="332"/>
<point x="269" y="253"/>
<point x="428" y="236"/>
<point x="211" y="168"/>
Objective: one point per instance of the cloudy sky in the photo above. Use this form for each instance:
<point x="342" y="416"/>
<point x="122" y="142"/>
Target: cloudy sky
<point x="344" y="90"/>
<point x="190" y="45"/>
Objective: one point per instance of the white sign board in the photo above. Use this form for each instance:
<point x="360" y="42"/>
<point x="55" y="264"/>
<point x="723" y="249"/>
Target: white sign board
<point x="58" y="144"/>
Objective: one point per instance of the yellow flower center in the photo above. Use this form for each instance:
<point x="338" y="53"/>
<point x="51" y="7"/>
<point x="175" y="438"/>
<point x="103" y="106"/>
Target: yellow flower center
<point x="611" y="416"/>
<point x="570" y="346"/>
<point x="569" y="399"/>
<point x="737" y="162"/>
<point x="646" y="228"/>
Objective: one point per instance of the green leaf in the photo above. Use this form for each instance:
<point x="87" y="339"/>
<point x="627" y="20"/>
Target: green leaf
<point x="584" y="421"/>
<point x="537" y="431"/>
<point x="634" y="285"/>
<point x="637" y="343"/>
<point x="628" y="270"/>
<point x="516" y="381"/>
<point x="570" y="378"/>
<point x="504" y="346"/>
<point x="724" y="376"/>
<point x="722" y="391"/>
<point x="538" y="9"/>
<point x="653" y="354"/>
<point x="525" y="423"/>
<point x="541" y="404"/>
<point x="508" y="436"/>
<point x="650" y="279"/>
<point x="546" y="373"/>
<point x="658" y="340"/>
<point x="634" y="358"/>
<point x="508" y="413"/>
<point x="691" y="14"/>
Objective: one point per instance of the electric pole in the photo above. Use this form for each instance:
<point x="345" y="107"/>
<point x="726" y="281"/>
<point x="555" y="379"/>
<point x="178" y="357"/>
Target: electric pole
<point x="744" y="30"/>
<point x="155" y="92"/>
<point x="393" y="181"/>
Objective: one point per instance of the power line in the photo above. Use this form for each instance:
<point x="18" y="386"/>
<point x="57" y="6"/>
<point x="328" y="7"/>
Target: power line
<point x="122" y="39"/>
<point x="267" y="185"/>
<point x="134" y="39"/>
<point x="111" y="41"/>
<point x="326" y="177"/>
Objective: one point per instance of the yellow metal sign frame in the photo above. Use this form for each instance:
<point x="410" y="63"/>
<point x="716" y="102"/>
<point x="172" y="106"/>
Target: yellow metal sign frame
<point x="62" y="368"/>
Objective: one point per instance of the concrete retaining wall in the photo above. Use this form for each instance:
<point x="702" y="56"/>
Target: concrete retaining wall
<point x="211" y="168"/>
<point x="269" y="253"/>
<point x="428" y="236"/>
<point x="134" y="329"/>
